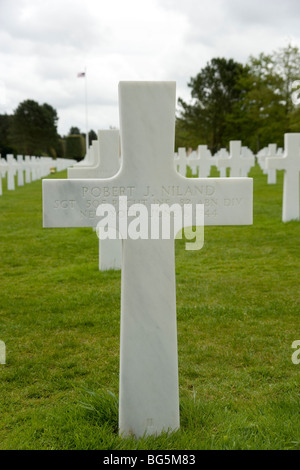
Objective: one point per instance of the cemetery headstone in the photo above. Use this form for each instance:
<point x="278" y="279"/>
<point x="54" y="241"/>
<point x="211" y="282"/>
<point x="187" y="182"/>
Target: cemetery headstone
<point x="290" y="163"/>
<point x="20" y="170"/>
<point x="2" y="352"/>
<point x="27" y="166"/>
<point x="261" y="157"/>
<point x="193" y="162"/>
<point x="3" y="170"/>
<point x="38" y="168"/>
<point x="45" y="165"/>
<point x="272" y="152"/>
<point x="248" y="161"/>
<point x="236" y="162"/>
<point x="182" y="161"/>
<point x="149" y="396"/>
<point x="11" y="172"/>
<point x="33" y="167"/>
<point x="264" y="153"/>
<point x="205" y="161"/>
<point x="280" y="152"/>
<point x="64" y="163"/>
<point x="222" y="154"/>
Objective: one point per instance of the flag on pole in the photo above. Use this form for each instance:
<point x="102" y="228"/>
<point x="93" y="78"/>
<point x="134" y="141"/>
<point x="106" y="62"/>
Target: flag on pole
<point x="83" y="74"/>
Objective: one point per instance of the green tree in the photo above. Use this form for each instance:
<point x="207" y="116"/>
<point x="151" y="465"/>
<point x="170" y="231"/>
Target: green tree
<point x="33" y="128"/>
<point x="251" y="102"/>
<point x="75" y="146"/>
<point x="74" y="131"/>
<point x="61" y="148"/>
<point x="260" y="113"/>
<point x="266" y="112"/>
<point x="287" y="67"/>
<point x="214" y="93"/>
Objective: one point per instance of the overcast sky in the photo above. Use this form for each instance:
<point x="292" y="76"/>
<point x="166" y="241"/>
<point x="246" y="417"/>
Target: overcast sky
<point x="45" y="44"/>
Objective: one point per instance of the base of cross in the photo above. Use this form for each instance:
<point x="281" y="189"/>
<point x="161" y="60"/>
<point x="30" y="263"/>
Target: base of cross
<point x="149" y="397"/>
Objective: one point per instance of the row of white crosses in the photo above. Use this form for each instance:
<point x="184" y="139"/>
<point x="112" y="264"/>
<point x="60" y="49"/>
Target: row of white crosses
<point x="266" y="152"/>
<point x="290" y="163"/>
<point x="148" y="390"/>
<point x="222" y="153"/>
<point x="239" y="160"/>
<point x="10" y="167"/>
<point x="200" y="161"/>
<point x="33" y="168"/>
<point x="63" y="163"/>
<point x="3" y="171"/>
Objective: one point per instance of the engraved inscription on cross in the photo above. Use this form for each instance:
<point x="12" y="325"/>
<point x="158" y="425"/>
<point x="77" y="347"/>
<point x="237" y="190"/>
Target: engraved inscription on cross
<point x="148" y="393"/>
<point x="290" y="163"/>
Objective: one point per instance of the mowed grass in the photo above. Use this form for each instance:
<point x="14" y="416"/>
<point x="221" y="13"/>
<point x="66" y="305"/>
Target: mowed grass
<point x="238" y="311"/>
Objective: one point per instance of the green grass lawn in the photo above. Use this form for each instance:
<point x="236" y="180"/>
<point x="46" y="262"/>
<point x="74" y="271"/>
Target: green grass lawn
<point x="238" y="306"/>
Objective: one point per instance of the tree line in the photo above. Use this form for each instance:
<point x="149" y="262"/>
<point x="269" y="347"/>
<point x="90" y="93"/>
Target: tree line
<point x="32" y="130"/>
<point x="251" y="102"/>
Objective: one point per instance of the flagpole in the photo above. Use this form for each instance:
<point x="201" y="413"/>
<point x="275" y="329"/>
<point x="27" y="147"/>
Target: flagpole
<point x="86" y="114"/>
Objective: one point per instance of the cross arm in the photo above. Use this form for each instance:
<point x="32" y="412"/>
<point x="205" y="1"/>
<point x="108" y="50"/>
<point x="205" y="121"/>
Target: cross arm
<point x="275" y="163"/>
<point x="73" y="203"/>
<point x="224" y="162"/>
<point x="227" y="201"/>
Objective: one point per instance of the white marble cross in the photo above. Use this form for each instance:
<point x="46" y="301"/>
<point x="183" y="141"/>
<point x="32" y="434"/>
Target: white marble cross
<point x="221" y="154"/>
<point x="27" y="166"/>
<point x="272" y="152"/>
<point x="3" y="170"/>
<point x="248" y="161"/>
<point x="11" y="172"/>
<point x="290" y="163"/>
<point x="193" y="162"/>
<point x="2" y="352"/>
<point x="205" y="161"/>
<point x="149" y="394"/>
<point x="261" y="156"/>
<point x="20" y="170"/>
<point x="181" y="161"/>
<point x="64" y="163"/>
<point x="104" y="163"/>
<point x="236" y="162"/>
<point x="33" y="168"/>
<point x="38" y="167"/>
<point x="46" y="163"/>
